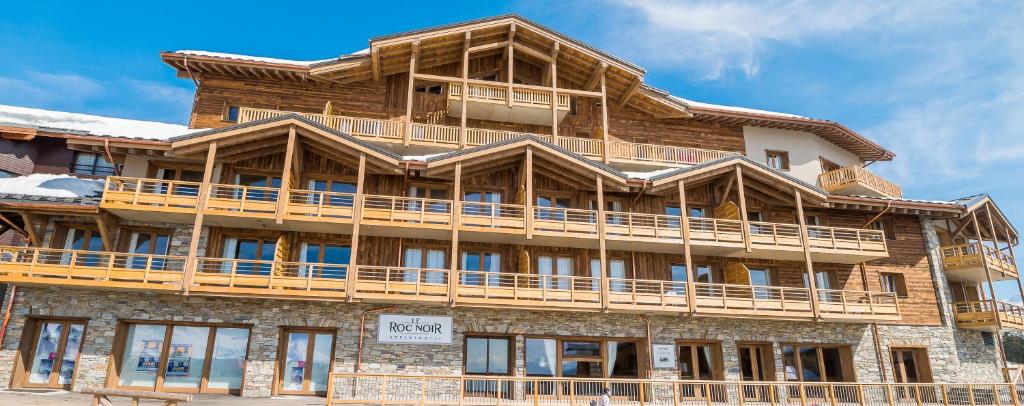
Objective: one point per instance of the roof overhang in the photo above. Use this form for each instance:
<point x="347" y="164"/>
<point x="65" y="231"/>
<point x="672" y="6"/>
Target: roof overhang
<point x="749" y="168"/>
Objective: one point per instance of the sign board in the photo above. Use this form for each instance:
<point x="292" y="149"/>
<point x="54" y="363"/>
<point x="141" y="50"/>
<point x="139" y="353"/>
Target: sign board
<point x="664" y="356"/>
<point x="414" y="329"/>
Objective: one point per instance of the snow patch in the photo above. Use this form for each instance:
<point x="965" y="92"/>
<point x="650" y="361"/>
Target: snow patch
<point x="422" y="158"/>
<point x="47" y="185"/>
<point x="250" y="58"/>
<point x="648" y="175"/>
<point x="698" y="104"/>
<point x="94" y="125"/>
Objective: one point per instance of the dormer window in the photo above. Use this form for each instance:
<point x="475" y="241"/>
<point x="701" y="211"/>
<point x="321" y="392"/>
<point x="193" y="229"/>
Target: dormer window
<point x="777" y="160"/>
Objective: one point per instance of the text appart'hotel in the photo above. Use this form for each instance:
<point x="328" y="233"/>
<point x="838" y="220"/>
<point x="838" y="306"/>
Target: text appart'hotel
<point x="488" y="212"/>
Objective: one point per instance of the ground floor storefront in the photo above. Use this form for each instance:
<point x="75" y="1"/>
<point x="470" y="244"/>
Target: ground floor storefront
<point x="72" y="338"/>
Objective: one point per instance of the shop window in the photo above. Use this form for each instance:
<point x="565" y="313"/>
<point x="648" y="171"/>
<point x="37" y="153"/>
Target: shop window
<point x="168" y="357"/>
<point x="53" y="357"/>
<point x="777" y="160"/>
<point x="893" y="282"/>
<point x="91" y="163"/>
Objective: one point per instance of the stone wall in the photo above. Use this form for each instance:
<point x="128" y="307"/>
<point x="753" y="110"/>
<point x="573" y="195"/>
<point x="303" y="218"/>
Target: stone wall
<point x="954" y="356"/>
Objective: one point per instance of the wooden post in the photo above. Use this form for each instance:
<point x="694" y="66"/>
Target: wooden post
<point x="745" y="223"/>
<point x="465" y="90"/>
<point x="192" y="261"/>
<point x="34" y="235"/>
<point x="286" y="177"/>
<point x="991" y="286"/>
<point x="684" y="230"/>
<point x="453" y="274"/>
<point x="602" y="243"/>
<point x="604" y="120"/>
<point x="554" y="98"/>
<point x="807" y="249"/>
<point x="1013" y="258"/>
<point x="510" y="69"/>
<point x="357" y="213"/>
<point x="528" y="213"/>
<point x="411" y="91"/>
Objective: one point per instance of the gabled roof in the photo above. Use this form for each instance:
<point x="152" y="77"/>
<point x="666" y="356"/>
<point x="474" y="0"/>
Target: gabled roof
<point x="668" y="179"/>
<point x="977" y="203"/>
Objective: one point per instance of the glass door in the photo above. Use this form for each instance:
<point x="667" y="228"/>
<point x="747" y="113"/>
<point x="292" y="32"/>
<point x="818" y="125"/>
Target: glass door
<point x="308" y="357"/>
<point x="756" y="365"/>
<point x="55" y="354"/>
<point x="182" y="358"/>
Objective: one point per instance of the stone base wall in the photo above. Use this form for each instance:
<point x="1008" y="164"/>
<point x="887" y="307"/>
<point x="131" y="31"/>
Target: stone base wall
<point x="955" y="356"/>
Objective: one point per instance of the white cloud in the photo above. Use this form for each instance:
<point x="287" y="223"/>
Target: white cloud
<point x="45" y="87"/>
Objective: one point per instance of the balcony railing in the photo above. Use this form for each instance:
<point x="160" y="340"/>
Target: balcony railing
<point x="367" y="389"/>
<point x="493" y="215"/>
<point x="565" y="221"/>
<point x="857" y="304"/>
<point x="90" y="268"/>
<point x="269" y="278"/>
<point x="645" y="294"/>
<point x="642" y="225"/>
<point x="753" y="300"/>
<point x="517" y="289"/>
<point x="391" y="283"/>
<point x="311" y="204"/>
<point x="412" y="210"/>
<point x="125" y="192"/>
<point x="240" y="199"/>
<point x="988" y="315"/>
<point x="965" y="257"/>
<point x="498" y="93"/>
<point x="449" y="137"/>
<point x="857" y="178"/>
<point x="836" y="238"/>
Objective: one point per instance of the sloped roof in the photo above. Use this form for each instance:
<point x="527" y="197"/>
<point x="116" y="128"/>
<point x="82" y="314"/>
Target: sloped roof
<point x="681" y="173"/>
<point x="86" y="124"/>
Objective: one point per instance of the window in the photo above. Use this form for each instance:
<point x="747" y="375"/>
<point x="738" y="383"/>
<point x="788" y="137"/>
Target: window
<point x="481" y="203"/>
<point x="431" y="89"/>
<point x="90" y="163"/>
<point x="679" y="277"/>
<point x="252" y="256"/>
<point x="555" y="271"/>
<point x="777" y="160"/>
<point x="893" y="282"/>
<point x="886" y="227"/>
<point x="257" y="186"/>
<point x="573" y="107"/>
<point x="617" y="275"/>
<point x="988" y="339"/>
<point x="488" y="356"/>
<point x="185" y="350"/>
<point x="698" y="212"/>
<point x="824" y="281"/>
<point x="757" y="363"/>
<point x="417" y="259"/>
<point x="231" y="113"/>
<point x="552" y="207"/>
<point x="333" y="192"/>
<point x="324" y="260"/>
<point x="815" y="363"/>
<point x="152" y="245"/>
<point x="761" y="278"/>
<point x="480" y="267"/>
<point x="910" y="365"/>
<point x="181" y="175"/>
<point x="700" y="360"/>
<point x="54" y="355"/>
<point x="7" y="174"/>
<point x="828" y="166"/>
<point x="78" y="239"/>
<point x="438" y="194"/>
<point x="307" y="356"/>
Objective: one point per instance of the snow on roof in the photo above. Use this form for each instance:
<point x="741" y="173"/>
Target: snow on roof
<point x="47" y="185"/>
<point x="268" y="60"/>
<point x="92" y="125"/>
<point x="692" y="103"/>
<point x="648" y="175"/>
<point x="423" y="158"/>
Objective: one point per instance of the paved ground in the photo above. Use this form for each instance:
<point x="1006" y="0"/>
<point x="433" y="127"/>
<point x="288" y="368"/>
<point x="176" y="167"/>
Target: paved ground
<point x="11" y="398"/>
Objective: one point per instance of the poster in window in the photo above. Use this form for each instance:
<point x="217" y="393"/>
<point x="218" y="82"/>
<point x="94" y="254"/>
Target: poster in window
<point x="664" y="356"/>
<point x="149" y="357"/>
<point x="179" y="360"/>
<point x="297" y="373"/>
<point x="45" y="367"/>
<point x="67" y="369"/>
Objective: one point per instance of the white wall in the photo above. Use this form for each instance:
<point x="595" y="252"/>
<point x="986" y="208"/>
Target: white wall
<point x="135" y="166"/>
<point x="804" y="149"/>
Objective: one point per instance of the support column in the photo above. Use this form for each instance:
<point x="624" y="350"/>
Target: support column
<point x="528" y="207"/>
<point x="411" y="91"/>
<point x="991" y="289"/>
<point x="510" y="51"/>
<point x="453" y="273"/>
<point x="995" y="246"/>
<point x="605" y="288"/>
<point x="807" y="249"/>
<point x="604" y="120"/>
<point x="286" y="176"/>
<point x="1013" y="258"/>
<point x="357" y="217"/>
<point x="192" y="261"/>
<point x="745" y="223"/>
<point x="465" y="90"/>
<point x="554" y="97"/>
<point x="684" y="230"/>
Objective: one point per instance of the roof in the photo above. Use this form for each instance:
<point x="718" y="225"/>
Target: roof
<point x="85" y="124"/>
<point x="663" y="176"/>
<point x="249" y="58"/>
<point x="49" y="189"/>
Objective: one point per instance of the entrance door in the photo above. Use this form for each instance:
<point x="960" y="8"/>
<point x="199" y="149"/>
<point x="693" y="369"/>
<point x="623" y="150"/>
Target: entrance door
<point x="54" y="354"/>
<point x="308" y="356"/>
<point x="757" y="364"/>
<point x="910" y="365"/>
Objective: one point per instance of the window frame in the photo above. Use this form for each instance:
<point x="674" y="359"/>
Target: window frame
<point x="92" y="170"/>
<point x="717" y="361"/>
<point x="782" y="156"/>
<point x="511" y="356"/>
<point x="849" y="372"/>
<point x="899" y="287"/>
<point x="225" y="114"/>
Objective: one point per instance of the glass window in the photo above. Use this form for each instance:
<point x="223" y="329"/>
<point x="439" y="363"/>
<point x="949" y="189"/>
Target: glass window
<point x="617" y="272"/>
<point x="623" y="361"/>
<point x="227" y="365"/>
<point x="581" y="348"/>
<point x="814" y="363"/>
<point x="706" y="275"/>
<point x="555" y="272"/>
<point x="777" y="160"/>
<point x="232" y="114"/>
<point x="893" y="282"/>
<point x="142" y="353"/>
<point x="186" y="357"/>
<point x="295" y="361"/>
<point x="487" y="356"/>
<point x="697" y="212"/>
<point x="477" y="265"/>
<point x="46" y="352"/>
<point x="90" y="163"/>
<point x="541" y="356"/>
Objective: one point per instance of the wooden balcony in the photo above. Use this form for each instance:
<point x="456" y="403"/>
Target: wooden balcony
<point x="749" y="301"/>
<point x="851" y="305"/>
<point x="499" y="102"/>
<point x="448" y="137"/>
<point x="269" y="279"/>
<point x="855" y="180"/>
<point x="645" y="295"/>
<point x="988" y="315"/>
<point x="506" y="289"/>
<point x="967" y="262"/>
<point x="373" y="389"/>
<point x="92" y="269"/>
<point x="151" y="199"/>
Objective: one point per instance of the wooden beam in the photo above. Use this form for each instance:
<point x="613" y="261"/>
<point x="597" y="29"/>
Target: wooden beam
<point x="192" y="261"/>
<point x="375" y="62"/>
<point x="286" y="176"/>
<point x="108" y="227"/>
<point x="10" y="224"/>
<point x="728" y="188"/>
<point x="485" y="47"/>
<point x="453" y="273"/>
<point x="554" y="99"/>
<point x="465" y="91"/>
<point x="510" y="68"/>
<point x="605" y="142"/>
<point x="529" y="193"/>
<point x="991" y="288"/>
<point x="629" y="92"/>
<point x="533" y="52"/>
<point x="410" y="92"/>
<point x="34" y="235"/>
<point x="684" y="229"/>
<point x="602" y="244"/>
<point x="743" y="208"/>
<point x="357" y="214"/>
<point x="596" y="77"/>
<point x="806" y="244"/>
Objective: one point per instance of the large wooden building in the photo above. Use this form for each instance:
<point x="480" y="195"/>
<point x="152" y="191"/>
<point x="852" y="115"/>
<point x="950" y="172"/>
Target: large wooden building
<point x="492" y="212"/>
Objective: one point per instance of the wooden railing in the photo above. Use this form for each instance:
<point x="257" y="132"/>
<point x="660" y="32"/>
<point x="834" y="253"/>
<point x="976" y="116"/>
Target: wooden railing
<point x="390" y="389"/>
<point x="269" y="278"/>
<point x="90" y="268"/>
<point x="703" y="229"/>
<point x="481" y="136"/>
<point x="989" y="314"/>
<point x="493" y="215"/>
<point x="358" y="126"/>
<point x="855" y="304"/>
<point x="663" y="154"/>
<point x="312" y="204"/>
<point x="498" y="93"/>
<point x="239" y="199"/>
<point x="964" y="256"/>
<point x="774" y="234"/>
<point x="642" y="225"/>
<point x="837" y="238"/>
<point x="407" y="210"/>
<point x="645" y="294"/>
<point x="752" y="299"/>
<point x="401" y="283"/>
<point x="506" y="288"/>
<point x="587" y="147"/>
<point x="842" y="178"/>
<point x="435" y="134"/>
<point x="123" y="192"/>
<point x="570" y="221"/>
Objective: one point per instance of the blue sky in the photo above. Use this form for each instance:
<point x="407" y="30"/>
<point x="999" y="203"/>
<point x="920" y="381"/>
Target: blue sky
<point x="939" y="82"/>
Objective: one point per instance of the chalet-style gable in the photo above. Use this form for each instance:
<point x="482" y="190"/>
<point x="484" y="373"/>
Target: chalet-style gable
<point x="775" y="179"/>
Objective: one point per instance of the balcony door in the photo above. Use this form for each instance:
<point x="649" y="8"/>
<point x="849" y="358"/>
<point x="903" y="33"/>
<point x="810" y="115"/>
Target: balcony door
<point x="481" y="267"/>
<point x="81" y="239"/>
<point x="147" y="244"/>
<point x="324" y="260"/>
<point x="182" y="175"/>
<point x="481" y="203"/>
<point x="55" y="352"/>
<point x="250" y="256"/>
<point x="336" y="193"/>
<point x="307" y="357"/>
<point x="430" y="262"/>
<point x="550" y="207"/>
<point x="555" y="271"/>
<point x="432" y="192"/>
<point x="910" y="365"/>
